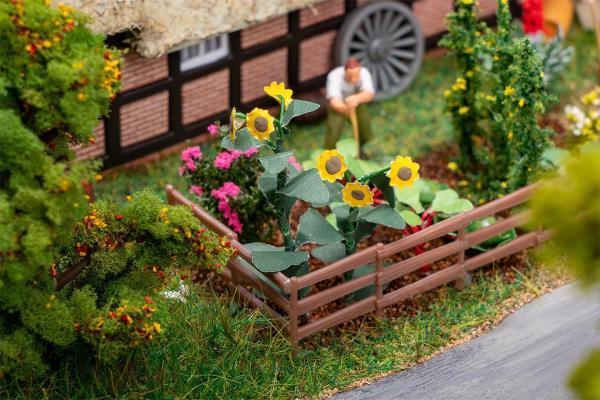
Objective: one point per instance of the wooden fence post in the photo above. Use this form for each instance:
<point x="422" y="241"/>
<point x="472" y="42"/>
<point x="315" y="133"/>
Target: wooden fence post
<point x="461" y="282"/>
<point x="378" y="280"/>
<point x="294" y="311"/>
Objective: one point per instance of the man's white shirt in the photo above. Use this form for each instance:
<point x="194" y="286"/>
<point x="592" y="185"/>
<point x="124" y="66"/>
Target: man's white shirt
<point x="338" y="86"/>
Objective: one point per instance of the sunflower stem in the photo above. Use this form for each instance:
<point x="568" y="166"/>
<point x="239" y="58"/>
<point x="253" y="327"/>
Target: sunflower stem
<point x="283" y="217"/>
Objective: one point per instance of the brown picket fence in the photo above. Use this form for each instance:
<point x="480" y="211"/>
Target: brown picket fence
<point x="282" y="291"/>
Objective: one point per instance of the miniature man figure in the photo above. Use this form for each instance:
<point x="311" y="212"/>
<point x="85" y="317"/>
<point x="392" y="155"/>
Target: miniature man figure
<point x="349" y="88"/>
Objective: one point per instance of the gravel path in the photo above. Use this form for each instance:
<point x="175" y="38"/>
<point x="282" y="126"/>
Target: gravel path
<point x="528" y="357"/>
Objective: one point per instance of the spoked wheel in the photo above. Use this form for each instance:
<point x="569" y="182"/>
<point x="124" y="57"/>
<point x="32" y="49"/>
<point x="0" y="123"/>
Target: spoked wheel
<point x="387" y="39"/>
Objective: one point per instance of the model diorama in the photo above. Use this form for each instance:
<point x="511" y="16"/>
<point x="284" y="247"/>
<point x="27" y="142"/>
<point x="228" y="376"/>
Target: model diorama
<point x="288" y="199"/>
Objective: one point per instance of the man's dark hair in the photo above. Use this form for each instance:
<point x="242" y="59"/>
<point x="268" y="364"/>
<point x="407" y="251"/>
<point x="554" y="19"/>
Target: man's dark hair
<point x="352" y="63"/>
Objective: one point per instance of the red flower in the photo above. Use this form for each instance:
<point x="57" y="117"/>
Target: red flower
<point x="148" y="300"/>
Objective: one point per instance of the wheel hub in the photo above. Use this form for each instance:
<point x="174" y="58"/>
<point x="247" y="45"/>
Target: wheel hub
<point x="377" y="50"/>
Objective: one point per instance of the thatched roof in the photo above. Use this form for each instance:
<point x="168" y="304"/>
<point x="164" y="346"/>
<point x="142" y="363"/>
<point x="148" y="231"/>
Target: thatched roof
<point x="164" y="25"/>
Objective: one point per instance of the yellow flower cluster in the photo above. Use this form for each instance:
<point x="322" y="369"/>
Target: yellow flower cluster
<point x="460" y="84"/>
<point x="93" y="220"/>
<point x="164" y="215"/>
<point x="133" y="319"/>
<point x="509" y="91"/>
<point x="112" y="73"/>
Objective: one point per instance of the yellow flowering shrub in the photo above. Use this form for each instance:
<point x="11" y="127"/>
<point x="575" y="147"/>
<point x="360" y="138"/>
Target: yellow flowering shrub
<point x="495" y="102"/>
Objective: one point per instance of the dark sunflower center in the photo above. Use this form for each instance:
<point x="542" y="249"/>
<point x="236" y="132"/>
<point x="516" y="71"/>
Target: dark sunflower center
<point x="404" y="173"/>
<point x="357" y="194"/>
<point x="333" y="165"/>
<point x="261" y="124"/>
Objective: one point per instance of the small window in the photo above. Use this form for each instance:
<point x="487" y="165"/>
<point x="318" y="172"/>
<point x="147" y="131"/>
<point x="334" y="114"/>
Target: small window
<point x="205" y="52"/>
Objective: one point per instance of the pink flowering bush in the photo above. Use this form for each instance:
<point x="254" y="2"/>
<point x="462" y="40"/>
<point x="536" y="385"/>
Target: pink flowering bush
<point x="224" y="182"/>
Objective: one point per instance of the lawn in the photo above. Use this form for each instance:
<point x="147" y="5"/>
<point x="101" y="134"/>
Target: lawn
<point x="211" y="348"/>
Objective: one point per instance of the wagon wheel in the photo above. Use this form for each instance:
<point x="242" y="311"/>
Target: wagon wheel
<point x="386" y="38"/>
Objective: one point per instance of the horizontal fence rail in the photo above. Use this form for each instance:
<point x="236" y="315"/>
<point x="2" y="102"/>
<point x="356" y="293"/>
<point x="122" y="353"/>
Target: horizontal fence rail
<point x="283" y="294"/>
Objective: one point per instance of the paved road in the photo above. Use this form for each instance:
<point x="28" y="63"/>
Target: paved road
<point x="528" y="357"/>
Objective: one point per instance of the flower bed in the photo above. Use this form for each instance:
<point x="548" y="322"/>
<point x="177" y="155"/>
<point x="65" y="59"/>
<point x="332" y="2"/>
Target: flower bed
<point x="279" y="295"/>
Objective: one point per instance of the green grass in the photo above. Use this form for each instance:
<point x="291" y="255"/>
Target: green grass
<point x="212" y="349"/>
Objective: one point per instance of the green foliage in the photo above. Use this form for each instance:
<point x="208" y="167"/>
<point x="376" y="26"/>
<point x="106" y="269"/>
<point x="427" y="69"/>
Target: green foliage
<point x="57" y="78"/>
<point x="495" y="102"/>
<point x="569" y="205"/>
<point x="585" y="380"/>
<point x="56" y="73"/>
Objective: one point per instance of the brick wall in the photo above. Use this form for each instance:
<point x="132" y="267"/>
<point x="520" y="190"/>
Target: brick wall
<point x="205" y="96"/>
<point x="260" y="71"/>
<point x="265" y="31"/>
<point x="316" y="55"/>
<point x="320" y="12"/>
<point x="138" y="71"/>
<point x="488" y="7"/>
<point x="144" y="118"/>
<point x="431" y="15"/>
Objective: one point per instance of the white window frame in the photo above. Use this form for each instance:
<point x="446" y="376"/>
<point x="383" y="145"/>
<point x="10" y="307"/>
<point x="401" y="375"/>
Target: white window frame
<point x="206" y="52"/>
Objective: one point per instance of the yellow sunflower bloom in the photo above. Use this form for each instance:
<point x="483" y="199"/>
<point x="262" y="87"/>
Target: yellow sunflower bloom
<point x="278" y="89"/>
<point x="357" y="195"/>
<point x="331" y="165"/>
<point x="234" y="125"/>
<point x="260" y="123"/>
<point x="403" y="172"/>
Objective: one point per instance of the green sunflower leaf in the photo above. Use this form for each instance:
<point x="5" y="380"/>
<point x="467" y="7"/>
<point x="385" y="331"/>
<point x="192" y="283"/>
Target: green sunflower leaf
<point x="307" y="186"/>
<point x="275" y="163"/>
<point x="313" y="228"/>
<point x="243" y="141"/>
<point x="297" y="108"/>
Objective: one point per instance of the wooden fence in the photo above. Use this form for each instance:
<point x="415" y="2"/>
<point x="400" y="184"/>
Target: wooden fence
<point x="283" y="291"/>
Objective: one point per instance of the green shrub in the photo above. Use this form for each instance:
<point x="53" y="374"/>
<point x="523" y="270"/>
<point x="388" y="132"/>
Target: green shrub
<point x="495" y="102"/>
<point x="55" y="71"/>
<point x="110" y="260"/>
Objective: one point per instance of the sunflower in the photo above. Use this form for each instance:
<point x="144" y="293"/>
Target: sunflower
<point x="357" y="195"/>
<point x="232" y="127"/>
<point x="278" y="89"/>
<point x="260" y="123"/>
<point x="403" y="172"/>
<point x="331" y="165"/>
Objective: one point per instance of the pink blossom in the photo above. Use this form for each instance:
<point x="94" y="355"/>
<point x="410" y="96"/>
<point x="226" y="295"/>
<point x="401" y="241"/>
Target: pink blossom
<point x="213" y="129"/>
<point x="189" y="155"/>
<point x="223" y="160"/>
<point x="250" y="152"/>
<point x="223" y="194"/>
<point x="197" y="190"/>
<point x="229" y="189"/>
<point x="292" y="160"/>
<point x="235" y="154"/>
<point x="181" y="170"/>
